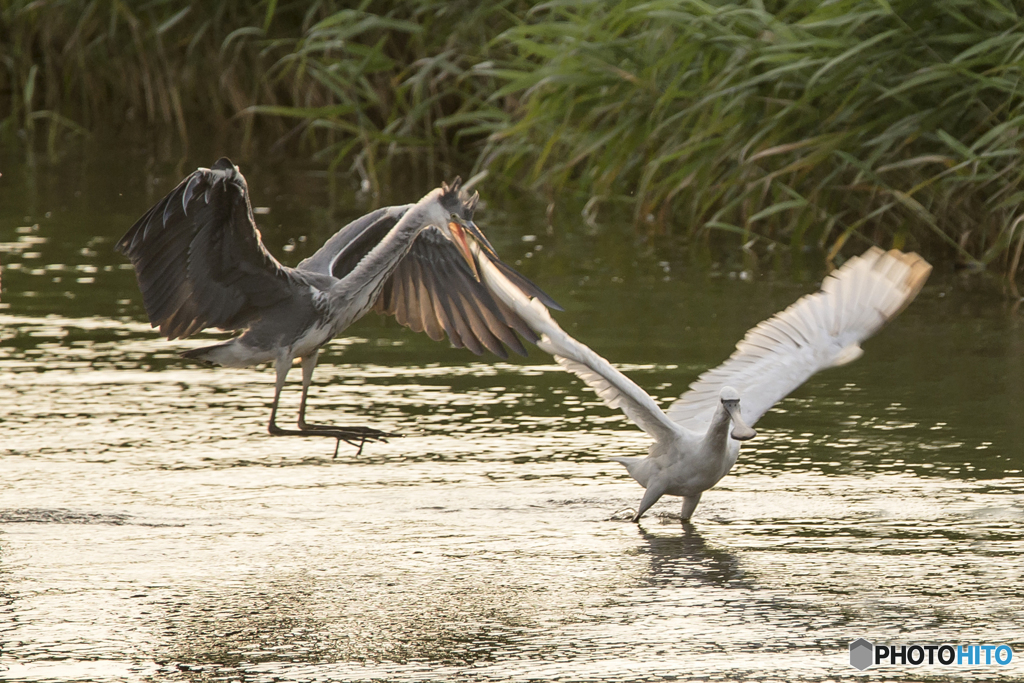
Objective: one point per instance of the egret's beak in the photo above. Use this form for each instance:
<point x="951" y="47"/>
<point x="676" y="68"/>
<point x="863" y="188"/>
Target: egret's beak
<point x="459" y="233"/>
<point x="741" y="431"/>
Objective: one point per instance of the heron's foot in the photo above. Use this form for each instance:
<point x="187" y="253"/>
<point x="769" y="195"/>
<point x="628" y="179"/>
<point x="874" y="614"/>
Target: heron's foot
<point x="354" y="436"/>
<point x="369" y="433"/>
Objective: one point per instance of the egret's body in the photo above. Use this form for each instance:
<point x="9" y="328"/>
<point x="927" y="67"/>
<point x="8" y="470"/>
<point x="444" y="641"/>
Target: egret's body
<point x="200" y="263"/>
<point x="697" y="441"/>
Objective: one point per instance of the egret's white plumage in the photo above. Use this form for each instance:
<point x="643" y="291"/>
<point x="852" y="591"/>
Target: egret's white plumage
<point x="693" y="446"/>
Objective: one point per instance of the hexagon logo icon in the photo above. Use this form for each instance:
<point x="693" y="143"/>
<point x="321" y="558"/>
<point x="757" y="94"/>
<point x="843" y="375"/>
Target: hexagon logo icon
<point x="862" y="652"/>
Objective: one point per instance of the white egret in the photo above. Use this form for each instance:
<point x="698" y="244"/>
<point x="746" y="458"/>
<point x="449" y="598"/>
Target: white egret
<point x="694" y="446"/>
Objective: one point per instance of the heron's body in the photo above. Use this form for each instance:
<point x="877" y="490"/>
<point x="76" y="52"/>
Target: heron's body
<point x="200" y="263"/>
<point x="697" y="441"/>
<point x="319" y="305"/>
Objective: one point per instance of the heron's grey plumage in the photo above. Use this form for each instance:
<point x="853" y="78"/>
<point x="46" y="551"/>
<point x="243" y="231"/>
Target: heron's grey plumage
<point x="433" y="290"/>
<point x="201" y="263"/>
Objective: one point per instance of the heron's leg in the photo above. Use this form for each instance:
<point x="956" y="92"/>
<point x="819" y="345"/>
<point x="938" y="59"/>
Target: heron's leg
<point x="689" y="505"/>
<point x="308" y="364"/>
<point x="356" y="436"/>
<point x="281" y="366"/>
<point x="362" y="434"/>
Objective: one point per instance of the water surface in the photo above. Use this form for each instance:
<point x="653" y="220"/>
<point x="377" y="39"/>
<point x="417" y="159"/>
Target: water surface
<point x="151" y="531"/>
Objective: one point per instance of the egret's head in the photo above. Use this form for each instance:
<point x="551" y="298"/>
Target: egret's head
<point x="730" y="398"/>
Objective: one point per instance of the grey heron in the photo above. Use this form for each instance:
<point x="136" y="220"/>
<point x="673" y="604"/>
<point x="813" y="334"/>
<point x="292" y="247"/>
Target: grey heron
<point x="200" y="263"/>
<point x="694" y="446"/>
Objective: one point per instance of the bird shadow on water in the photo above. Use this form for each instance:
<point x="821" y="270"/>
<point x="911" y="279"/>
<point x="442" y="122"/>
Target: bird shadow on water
<point x="688" y="557"/>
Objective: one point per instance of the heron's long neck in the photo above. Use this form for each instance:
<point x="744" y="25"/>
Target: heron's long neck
<point x="716" y="440"/>
<point x="359" y="289"/>
<point x="381" y="261"/>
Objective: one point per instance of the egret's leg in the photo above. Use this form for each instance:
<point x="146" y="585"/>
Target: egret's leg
<point x="654" y="492"/>
<point x="355" y="436"/>
<point x="689" y="505"/>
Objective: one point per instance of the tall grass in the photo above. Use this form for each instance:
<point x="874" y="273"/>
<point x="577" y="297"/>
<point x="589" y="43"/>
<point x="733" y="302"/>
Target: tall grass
<point x="798" y="122"/>
<point x="786" y="122"/>
<point x="394" y="81"/>
<point x="83" y="64"/>
<point x="353" y="83"/>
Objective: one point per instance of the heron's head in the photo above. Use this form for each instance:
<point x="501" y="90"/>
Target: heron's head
<point x="730" y="398"/>
<point x="456" y="220"/>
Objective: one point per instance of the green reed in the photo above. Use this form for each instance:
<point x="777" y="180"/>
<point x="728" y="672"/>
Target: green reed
<point x="364" y="84"/>
<point x="802" y="123"/>
<point x="794" y="122"/>
<point x="80" y="65"/>
<point x="394" y="81"/>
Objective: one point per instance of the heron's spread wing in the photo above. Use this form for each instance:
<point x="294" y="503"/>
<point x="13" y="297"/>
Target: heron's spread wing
<point x="433" y="290"/>
<point x="347" y="247"/>
<point x="819" y="331"/>
<point x="199" y="259"/>
<point x="617" y="390"/>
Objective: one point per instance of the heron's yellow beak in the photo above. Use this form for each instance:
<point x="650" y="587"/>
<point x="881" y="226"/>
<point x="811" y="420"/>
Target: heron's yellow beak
<point x="460" y="241"/>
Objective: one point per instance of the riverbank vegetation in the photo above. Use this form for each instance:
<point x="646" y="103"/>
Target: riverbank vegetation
<point x="794" y="123"/>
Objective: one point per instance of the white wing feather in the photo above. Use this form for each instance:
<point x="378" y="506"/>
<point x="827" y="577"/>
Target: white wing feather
<point x="819" y="331"/>
<point x="617" y="390"/>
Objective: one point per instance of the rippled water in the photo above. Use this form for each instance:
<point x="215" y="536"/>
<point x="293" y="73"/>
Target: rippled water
<point x="151" y="531"/>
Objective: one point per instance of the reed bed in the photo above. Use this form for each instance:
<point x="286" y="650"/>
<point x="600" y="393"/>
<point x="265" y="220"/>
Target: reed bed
<point x="81" y="65"/>
<point x="396" y="82"/>
<point x="804" y="123"/>
<point x="792" y="123"/>
<point x="354" y="85"/>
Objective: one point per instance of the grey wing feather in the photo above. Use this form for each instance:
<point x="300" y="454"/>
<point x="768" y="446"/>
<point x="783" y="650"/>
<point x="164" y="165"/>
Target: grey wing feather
<point x="819" y="331"/>
<point x="343" y="251"/>
<point x="433" y="290"/>
<point x="199" y="258"/>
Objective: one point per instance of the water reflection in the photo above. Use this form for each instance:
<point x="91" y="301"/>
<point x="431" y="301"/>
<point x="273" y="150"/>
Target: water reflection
<point x="150" y="530"/>
<point x="686" y="556"/>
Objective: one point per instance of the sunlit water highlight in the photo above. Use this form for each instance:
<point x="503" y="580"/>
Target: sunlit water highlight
<point x="151" y="531"/>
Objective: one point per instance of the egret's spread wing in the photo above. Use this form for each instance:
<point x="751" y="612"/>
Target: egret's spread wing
<point x="819" y="331"/>
<point x="433" y="290"/>
<point x="511" y="274"/>
<point x="199" y="259"/>
<point x="617" y="390"/>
